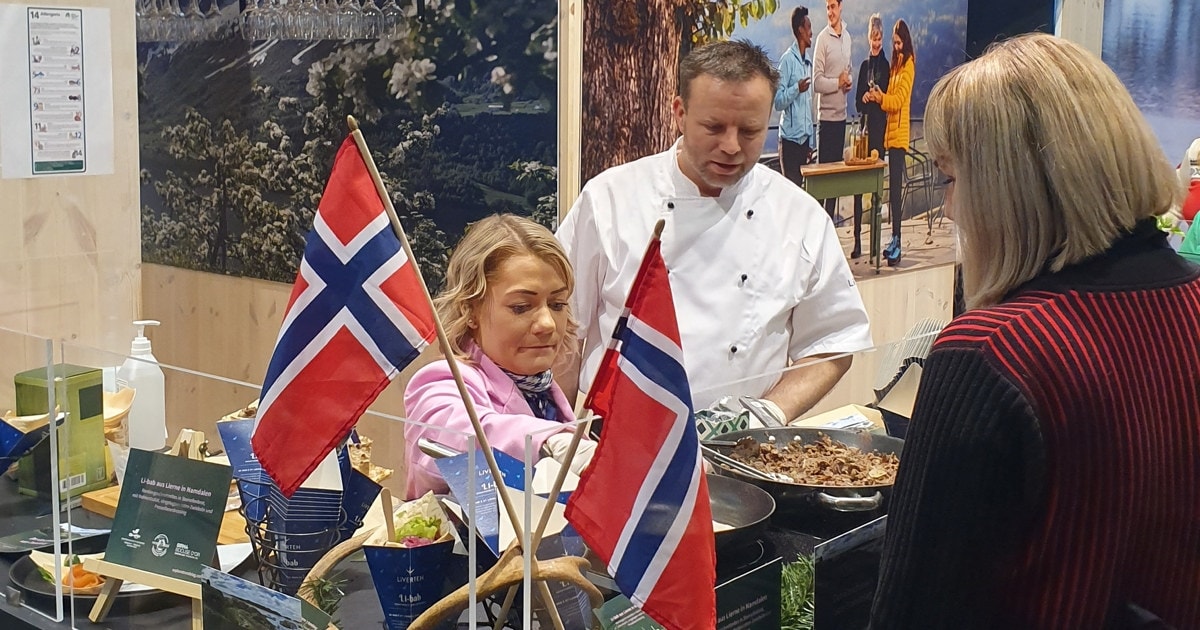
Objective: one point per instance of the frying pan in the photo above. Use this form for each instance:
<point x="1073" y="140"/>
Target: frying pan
<point x="740" y="505"/>
<point x="744" y="507"/>
<point x="805" y="497"/>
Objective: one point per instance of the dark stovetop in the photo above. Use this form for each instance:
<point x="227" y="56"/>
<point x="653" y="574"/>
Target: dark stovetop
<point x="793" y="535"/>
<point x="845" y="581"/>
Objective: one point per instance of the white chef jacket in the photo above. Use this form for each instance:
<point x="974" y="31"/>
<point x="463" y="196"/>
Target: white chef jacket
<point x="757" y="275"/>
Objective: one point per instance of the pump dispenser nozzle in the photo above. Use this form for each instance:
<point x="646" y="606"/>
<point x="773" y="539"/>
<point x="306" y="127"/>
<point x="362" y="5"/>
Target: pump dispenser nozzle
<point x="141" y="345"/>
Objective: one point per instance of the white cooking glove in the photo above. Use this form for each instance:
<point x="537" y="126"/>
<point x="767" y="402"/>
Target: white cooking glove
<point x="556" y="446"/>
<point x="773" y="409"/>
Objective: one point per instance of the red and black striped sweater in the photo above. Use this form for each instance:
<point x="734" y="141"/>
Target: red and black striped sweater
<point x="1051" y="474"/>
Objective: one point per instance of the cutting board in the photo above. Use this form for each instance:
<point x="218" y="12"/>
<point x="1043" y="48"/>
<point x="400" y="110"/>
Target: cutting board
<point x="104" y="503"/>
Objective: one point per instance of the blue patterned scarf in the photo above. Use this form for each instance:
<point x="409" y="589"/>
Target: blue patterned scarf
<point x="536" y="389"/>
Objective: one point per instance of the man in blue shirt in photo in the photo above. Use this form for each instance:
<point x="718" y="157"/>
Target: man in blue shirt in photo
<point x="794" y="99"/>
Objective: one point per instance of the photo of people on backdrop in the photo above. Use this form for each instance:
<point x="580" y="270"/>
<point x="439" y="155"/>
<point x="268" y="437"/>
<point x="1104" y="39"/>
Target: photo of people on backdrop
<point x="629" y="73"/>
<point x="853" y="69"/>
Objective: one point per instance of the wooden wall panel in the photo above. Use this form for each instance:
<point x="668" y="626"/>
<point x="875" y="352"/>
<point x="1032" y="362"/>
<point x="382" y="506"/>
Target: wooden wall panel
<point x="70" y="246"/>
<point x="570" y="102"/>
<point x="1081" y="21"/>
<point x="894" y="303"/>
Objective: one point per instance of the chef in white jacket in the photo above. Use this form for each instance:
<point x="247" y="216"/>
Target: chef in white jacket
<point x="757" y="273"/>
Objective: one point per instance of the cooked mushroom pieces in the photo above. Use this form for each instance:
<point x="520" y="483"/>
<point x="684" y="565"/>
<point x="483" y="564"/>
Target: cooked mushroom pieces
<point x="824" y="462"/>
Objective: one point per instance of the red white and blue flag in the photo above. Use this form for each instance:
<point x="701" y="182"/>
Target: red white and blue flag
<point x="642" y="505"/>
<point x="357" y="315"/>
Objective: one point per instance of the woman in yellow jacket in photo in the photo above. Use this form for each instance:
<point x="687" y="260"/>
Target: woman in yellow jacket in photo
<point x="895" y="102"/>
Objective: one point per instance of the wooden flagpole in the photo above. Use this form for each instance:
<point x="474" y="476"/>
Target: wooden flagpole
<point x="443" y="341"/>
<point x="576" y="437"/>
<point x="448" y="352"/>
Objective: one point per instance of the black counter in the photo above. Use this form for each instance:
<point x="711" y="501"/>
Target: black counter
<point x="359" y="608"/>
<point x="20" y="513"/>
<point x="157" y="610"/>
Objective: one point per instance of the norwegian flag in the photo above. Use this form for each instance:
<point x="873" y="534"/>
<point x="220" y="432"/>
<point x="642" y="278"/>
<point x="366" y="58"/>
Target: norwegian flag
<point x="642" y="505"/>
<point x="357" y="315"/>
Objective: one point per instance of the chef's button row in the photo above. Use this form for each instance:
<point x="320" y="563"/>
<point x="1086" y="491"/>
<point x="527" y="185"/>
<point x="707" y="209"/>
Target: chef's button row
<point x="742" y="278"/>
<point x="671" y="206"/>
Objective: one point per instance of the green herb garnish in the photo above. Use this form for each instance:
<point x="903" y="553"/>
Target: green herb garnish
<point x="325" y="592"/>
<point x="68" y="561"/>
<point x="796" y="605"/>
<point x="46" y="575"/>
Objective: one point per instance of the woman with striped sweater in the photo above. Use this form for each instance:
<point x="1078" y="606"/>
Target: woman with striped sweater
<point x="1051" y="471"/>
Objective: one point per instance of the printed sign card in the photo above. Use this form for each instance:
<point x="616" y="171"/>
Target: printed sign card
<point x="619" y="613"/>
<point x="169" y="514"/>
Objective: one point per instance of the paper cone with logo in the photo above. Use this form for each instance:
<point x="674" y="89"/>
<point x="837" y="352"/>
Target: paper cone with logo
<point x="410" y="572"/>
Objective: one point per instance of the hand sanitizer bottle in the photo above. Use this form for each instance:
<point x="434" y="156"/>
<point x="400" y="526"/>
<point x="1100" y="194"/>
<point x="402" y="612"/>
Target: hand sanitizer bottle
<point x="148" y="414"/>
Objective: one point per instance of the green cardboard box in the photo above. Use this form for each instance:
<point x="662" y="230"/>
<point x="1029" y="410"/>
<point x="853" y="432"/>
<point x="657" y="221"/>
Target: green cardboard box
<point x="81" y="446"/>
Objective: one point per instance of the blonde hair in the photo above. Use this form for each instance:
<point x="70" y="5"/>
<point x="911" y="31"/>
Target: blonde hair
<point x="487" y="244"/>
<point x="875" y="25"/>
<point x="1052" y="161"/>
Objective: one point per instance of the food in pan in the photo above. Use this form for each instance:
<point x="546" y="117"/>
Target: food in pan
<point x="824" y="462"/>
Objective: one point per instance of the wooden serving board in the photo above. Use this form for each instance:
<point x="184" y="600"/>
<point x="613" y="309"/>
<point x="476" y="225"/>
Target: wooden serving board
<point x="104" y="503"/>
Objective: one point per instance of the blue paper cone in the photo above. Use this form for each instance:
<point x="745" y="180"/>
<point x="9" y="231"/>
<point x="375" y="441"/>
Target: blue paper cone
<point x="15" y="444"/>
<point x="487" y="501"/>
<point x="305" y="527"/>
<point x="359" y="494"/>
<point x="408" y="581"/>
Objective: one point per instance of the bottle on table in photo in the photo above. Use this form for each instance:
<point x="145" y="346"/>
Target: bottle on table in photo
<point x="862" y="140"/>
<point x="866" y="139"/>
<point x="852" y="140"/>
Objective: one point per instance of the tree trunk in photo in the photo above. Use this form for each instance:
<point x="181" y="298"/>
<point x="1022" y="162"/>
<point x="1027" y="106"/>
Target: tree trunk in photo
<point x="631" y="53"/>
<point x="216" y="253"/>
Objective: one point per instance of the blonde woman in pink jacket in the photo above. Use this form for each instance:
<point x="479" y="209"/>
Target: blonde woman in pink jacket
<point x="505" y="309"/>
